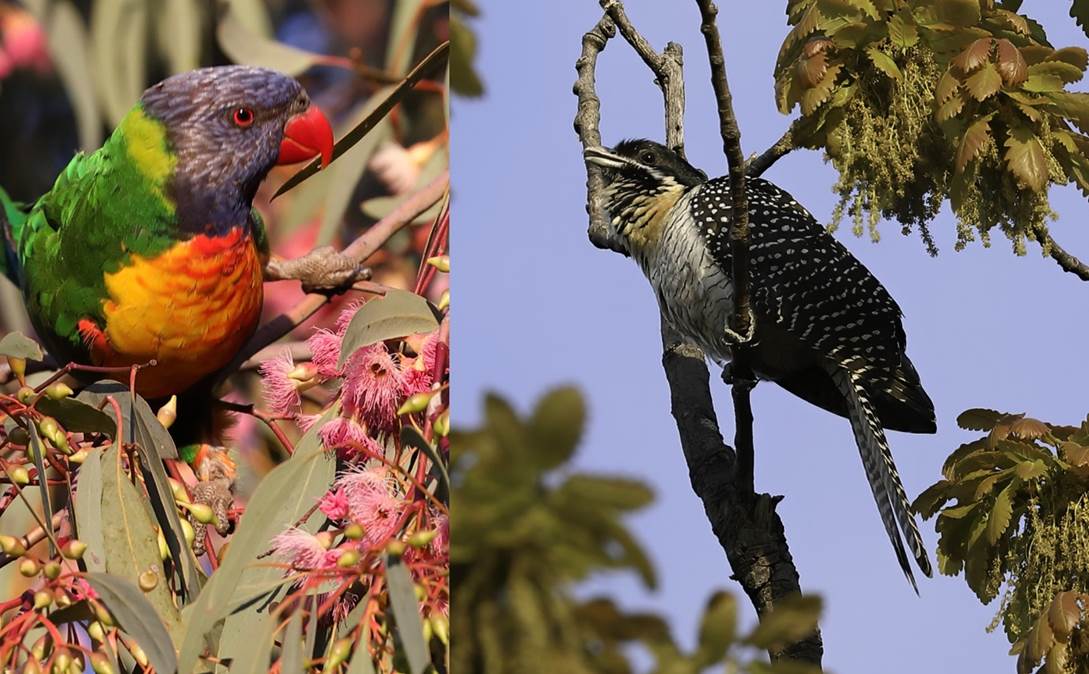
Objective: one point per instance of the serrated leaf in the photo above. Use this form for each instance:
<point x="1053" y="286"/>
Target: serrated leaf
<point x="984" y="83"/>
<point x="1064" y="614"/>
<point x="958" y="12"/>
<point x="137" y="617"/>
<point x="974" y="55"/>
<point x="1074" y="453"/>
<point x="813" y="98"/>
<point x="947" y="86"/>
<point x="1079" y="11"/>
<point x="932" y="498"/>
<point x="614" y="493"/>
<point x="884" y="62"/>
<point x="1025" y="158"/>
<point x="402" y="599"/>
<point x="397" y="314"/>
<point x="1030" y="470"/>
<point x="556" y="426"/>
<point x="975" y="139"/>
<point x="999" y="519"/>
<point x="1011" y="65"/>
<point x="979" y="419"/>
<point x="950" y="108"/>
<point x="1064" y="72"/>
<point x="18" y="345"/>
<point x="1042" y="83"/>
<point x="902" y="29"/>
<point x="812" y="70"/>
<point x="792" y="619"/>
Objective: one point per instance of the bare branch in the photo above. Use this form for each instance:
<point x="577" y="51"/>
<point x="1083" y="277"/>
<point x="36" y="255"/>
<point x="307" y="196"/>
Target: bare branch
<point x="757" y="164"/>
<point x="1068" y="262"/>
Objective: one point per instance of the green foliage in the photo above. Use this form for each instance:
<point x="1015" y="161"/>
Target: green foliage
<point x="525" y="528"/>
<point x="1013" y="508"/>
<point x="464" y="79"/>
<point x="918" y="101"/>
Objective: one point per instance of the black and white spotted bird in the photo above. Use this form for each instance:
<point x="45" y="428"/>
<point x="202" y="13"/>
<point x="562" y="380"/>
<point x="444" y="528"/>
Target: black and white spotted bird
<point x="825" y="329"/>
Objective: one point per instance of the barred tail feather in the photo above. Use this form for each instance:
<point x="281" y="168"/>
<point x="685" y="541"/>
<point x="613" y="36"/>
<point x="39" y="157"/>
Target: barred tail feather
<point x="884" y="479"/>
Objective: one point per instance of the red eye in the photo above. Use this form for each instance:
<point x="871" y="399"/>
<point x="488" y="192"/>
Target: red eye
<point x="243" y="117"/>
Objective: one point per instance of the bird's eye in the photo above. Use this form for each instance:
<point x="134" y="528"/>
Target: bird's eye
<point x="647" y="158"/>
<point x="242" y="117"/>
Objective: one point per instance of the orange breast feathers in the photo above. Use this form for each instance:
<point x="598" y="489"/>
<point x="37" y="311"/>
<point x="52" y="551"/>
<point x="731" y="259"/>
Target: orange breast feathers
<point x="190" y="308"/>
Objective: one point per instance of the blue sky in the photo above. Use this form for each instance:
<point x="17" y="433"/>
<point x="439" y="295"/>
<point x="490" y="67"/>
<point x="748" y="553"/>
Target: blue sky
<point x="538" y="306"/>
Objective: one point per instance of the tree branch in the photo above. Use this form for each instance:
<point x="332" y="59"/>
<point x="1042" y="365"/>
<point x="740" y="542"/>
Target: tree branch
<point x="757" y="164"/>
<point x="1068" y="262"/>
<point x="745" y="523"/>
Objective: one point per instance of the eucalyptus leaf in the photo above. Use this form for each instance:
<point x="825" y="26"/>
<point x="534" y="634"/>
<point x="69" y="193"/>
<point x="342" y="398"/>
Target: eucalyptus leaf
<point x="70" y="50"/>
<point x="88" y="510"/>
<point x="37" y="455"/>
<point x="131" y="543"/>
<point x="77" y="416"/>
<point x="137" y="617"/>
<point x="410" y="437"/>
<point x="397" y="314"/>
<point x="406" y="612"/>
<point x="145" y="430"/>
<point x="245" y="47"/>
<point x="18" y="345"/>
<point x="291" y="658"/>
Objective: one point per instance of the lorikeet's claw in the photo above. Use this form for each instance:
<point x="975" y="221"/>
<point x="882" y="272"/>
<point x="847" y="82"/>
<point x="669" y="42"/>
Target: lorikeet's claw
<point x="323" y="270"/>
<point x="215" y="489"/>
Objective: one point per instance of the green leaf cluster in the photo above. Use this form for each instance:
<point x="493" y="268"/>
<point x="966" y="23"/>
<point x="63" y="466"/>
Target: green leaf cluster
<point x="526" y="528"/>
<point x="917" y="101"/>
<point x="1013" y="509"/>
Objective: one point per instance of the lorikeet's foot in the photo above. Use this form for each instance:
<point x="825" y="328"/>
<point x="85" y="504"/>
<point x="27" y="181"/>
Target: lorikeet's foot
<point x="215" y="488"/>
<point x="323" y="270"/>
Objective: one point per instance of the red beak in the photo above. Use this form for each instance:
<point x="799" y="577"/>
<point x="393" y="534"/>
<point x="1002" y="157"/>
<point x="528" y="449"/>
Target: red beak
<point x="307" y="135"/>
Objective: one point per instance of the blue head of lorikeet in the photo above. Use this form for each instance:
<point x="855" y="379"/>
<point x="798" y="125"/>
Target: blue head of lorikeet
<point x="149" y="249"/>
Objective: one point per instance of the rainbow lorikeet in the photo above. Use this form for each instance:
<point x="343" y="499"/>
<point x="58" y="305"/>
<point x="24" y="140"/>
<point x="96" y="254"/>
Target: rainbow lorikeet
<point x="149" y="248"/>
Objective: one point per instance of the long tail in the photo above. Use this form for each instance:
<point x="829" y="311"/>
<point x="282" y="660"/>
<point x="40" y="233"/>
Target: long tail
<point x="888" y="491"/>
<point x="12" y="218"/>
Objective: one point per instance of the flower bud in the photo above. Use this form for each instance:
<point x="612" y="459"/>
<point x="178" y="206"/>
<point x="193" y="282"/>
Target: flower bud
<point x="444" y="300"/>
<point x="395" y="548"/>
<point x="20" y="476"/>
<point x="29" y="568"/>
<point x="52" y="570"/>
<point x="416" y="402"/>
<point x="74" y="549"/>
<point x="441" y="627"/>
<point x="164" y="549"/>
<point x="348" y="559"/>
<point x="168" y="413"/>
<point x="419" y="591"/>
<point x="427" y="630"/>
<point x="354" y="532"/>
<point x="48" y="427"/>
<point x="137" y="653"/>
<point x="101" y="664"/>
<point x="148" y="580"/>
<point x="60" y="662"/>
<point x="96" y="632"/>
<point x="101" y="613"/>
<point x="187" y="531"/>
<point x="42" y="599"/>
<point x="58" y="391"/>
<point x="42" y="647"/>
<point x="441" y="424"/>
<point x="178" y="491"/>
<point x="338" y="653"/>
<point x="33" y="666"/>
<point x="61" y="598"/>
<point x="18" y="368"/>
<point x="11" y="545"/>
<point x="325" y="539"/>
<point x="78" y="457"/>
<point x="440" y="262"/>
<point x="421" y="539"/>
<point x="201" y="512"/>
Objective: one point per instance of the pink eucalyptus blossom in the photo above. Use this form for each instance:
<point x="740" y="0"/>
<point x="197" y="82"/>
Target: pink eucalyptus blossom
<point x="415" y="377"/>
<point x="335" y="505"/>
<point x="373" y="501"/>
<point x="325" y="350"/>
<point x="304" y="550"/>
<point x="280" y="388"/>
<point x="373" y="386"/>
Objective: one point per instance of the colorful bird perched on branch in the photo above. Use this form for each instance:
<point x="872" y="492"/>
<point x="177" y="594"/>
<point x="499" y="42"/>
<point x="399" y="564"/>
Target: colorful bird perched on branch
<point x="149" y="248"/>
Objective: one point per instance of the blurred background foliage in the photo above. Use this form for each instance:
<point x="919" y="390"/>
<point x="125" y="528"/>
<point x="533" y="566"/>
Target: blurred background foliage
<point x="526" y="529"/>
